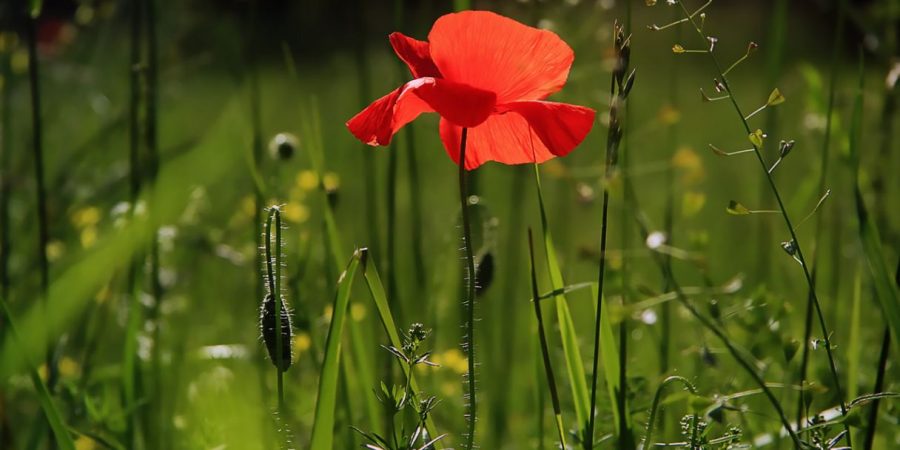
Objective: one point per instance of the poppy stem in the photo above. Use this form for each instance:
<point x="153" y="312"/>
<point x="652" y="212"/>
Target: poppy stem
<point x="468" y="340"/>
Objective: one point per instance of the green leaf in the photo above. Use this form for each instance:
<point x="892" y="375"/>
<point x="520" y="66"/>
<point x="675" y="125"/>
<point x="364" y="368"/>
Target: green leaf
<point x="363" y="374"/>
<point x="737" y="209"/>
<point x="609" y="353"/>
<point x="775" y="98"/>
<point x="323" y="424"/>
<point x="757" y="138"/>
<point x="63" y="438"/>
<point x="574" y="364"/>
<point x="376" y="289"/>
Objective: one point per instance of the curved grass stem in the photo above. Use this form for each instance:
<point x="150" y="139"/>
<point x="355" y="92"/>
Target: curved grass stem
<point x="787" y="220"/>
<point x="469" y="342"/>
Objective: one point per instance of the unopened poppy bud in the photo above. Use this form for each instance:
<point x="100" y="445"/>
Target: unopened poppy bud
<point x="283" y="145"/>
<point x="267" y="325"/>
<point x="484" y="273"/>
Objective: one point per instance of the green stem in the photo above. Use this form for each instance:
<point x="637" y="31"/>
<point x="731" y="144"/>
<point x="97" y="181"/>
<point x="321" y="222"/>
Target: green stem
<point x="38" y="153"/>
<point x="743" y="361"/>
<point x="273" y="276"/>
<point x="469" y="341"/>
<point x="651" y="423"/>
<point x="879" y="378"/>
<point x="790" y="227"/>
<point x="879" y="386"/>
<point x="823" y="173"/>
<point x="545" y="351"/>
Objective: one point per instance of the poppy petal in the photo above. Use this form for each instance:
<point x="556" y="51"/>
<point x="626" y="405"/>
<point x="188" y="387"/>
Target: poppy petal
<point x="560" y="126"/>
<point x="492" y="52"/>
<point x="527" y="132"/>
<point x="415" y="54"/>
<point x="458" y="103"/>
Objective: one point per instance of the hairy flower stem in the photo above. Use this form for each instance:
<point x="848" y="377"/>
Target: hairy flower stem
<point x="469" y="341"/>
<point x="273" y="277"/>
<point x="651" y="422"/>
<point x="787" y="220"/>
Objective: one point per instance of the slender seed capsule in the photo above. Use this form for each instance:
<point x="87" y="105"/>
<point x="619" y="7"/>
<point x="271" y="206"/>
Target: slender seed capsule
<point x="267" y="328"/>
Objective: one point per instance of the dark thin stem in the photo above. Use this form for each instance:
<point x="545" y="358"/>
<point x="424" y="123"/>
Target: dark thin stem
<point x="469" y="342"/>
<point x="879" y="386"/>
<point x="668" y="218"/>
<point x="879" y="378"/>
<point x="790" y="227"/>
<point x="626" y="440"/>
<point x="823" y="174"/>
<point x="709" y="324"/>
<point x="5" y="164"/>
<point x="152" y="143"/>
<point x="589" y="433"/>
<point x="545" y="351"/>
<point x="134" y="182"/>
<point x="273" y="278"/>
<point x="38" y="153"/>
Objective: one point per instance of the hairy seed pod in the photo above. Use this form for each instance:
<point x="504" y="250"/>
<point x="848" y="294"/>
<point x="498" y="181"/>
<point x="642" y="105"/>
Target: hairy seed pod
<point x="267" y="328"/>
<point x="484" y="273"/>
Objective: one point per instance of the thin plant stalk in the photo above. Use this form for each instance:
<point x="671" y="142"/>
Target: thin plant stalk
<point x="5" y="170"/>
<point x="651" y="422"/>
<point x="733" y="350"/>
<point x="545" y="351"/>
<point x="469" y="339"/>
<point x="788" y="223"/>
<point x="152" y="143"/>
<point x="879" y="385"/>
<point x="274" y="283"/>
<point x="668" y="217"/>
<point x="574" y="365"/>
<point x="41" y="189"/>
<point x="130" y="368"/>
<point x="618" y="94"/>
<point x="626" y="439"/>
<point x="823" y="176"/>
<point x="571" y="351"/>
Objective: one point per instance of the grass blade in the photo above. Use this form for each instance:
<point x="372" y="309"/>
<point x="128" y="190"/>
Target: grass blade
<point x="60" y="432"/>
<point x="545" y="352"/>
<point x="609" y="352"/>
<point x="574" y="365"/>
<point x="885" y="290"/>
<point x="376" y="289"/>
<point x="323" y="425"/>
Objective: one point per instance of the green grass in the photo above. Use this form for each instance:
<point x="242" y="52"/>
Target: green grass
<point x="189" y="370"/>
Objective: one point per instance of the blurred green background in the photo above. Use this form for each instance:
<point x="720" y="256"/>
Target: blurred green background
<point x="310" y="65"/>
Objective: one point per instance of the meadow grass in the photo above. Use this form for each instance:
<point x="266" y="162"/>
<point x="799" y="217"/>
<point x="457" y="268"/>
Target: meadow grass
<point x="156" y="343"/>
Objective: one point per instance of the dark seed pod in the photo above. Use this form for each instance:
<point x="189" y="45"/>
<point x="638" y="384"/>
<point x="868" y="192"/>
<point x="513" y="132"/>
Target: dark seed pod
<point x="484" y="273"/>
<point x="267" y="328"/>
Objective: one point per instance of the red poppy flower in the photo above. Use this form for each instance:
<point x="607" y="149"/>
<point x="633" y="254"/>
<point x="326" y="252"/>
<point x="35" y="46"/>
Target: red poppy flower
<point x="490" y="74"/>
